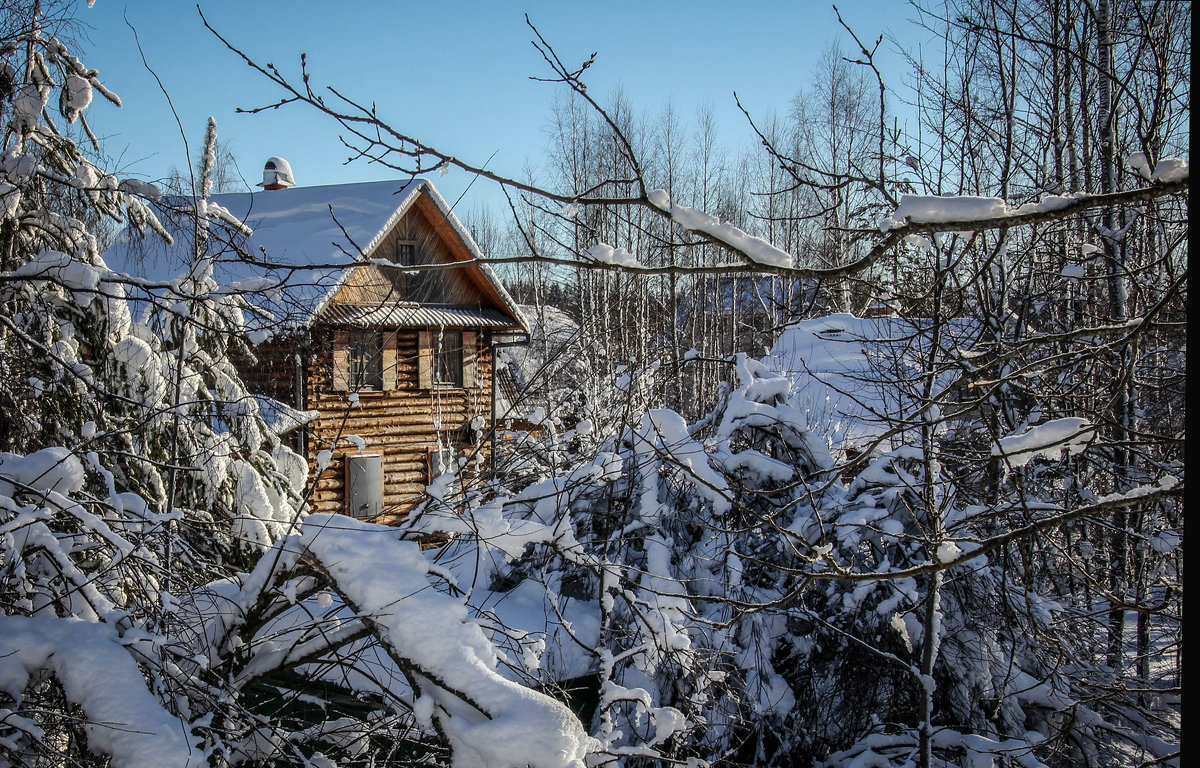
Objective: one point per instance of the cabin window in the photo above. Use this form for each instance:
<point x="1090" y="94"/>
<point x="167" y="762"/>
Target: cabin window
<point x="448" y="359"/>
<point x="406" y="253"/>
<point x="366" y="360"/>
<point x="363" y="361"/>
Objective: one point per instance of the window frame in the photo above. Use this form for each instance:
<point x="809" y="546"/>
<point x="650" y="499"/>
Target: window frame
<point x="364" y="360"/>
<point x="447" y="359"/>
<point x="431" y="357"/>
<point x="406" y="253"/>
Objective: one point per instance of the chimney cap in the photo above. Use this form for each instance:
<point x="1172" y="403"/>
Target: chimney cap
<point x="277" y="174"/>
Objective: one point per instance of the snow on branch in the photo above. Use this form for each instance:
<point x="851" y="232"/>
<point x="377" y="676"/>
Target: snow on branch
<point x="124" y="720"/>
<point x="753" y="248"/>
<point x="1167" y="169"/>
<point x="606" y="254"/>
<point x="223" y="214"/>
<point x="1165" y="487"/>
<point x="1070" y="434"/>
<point x="963" y="212"/>
<point x="487" y="720"/>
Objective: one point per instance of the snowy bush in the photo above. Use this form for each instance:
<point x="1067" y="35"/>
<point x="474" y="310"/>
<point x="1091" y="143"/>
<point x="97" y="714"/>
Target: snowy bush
<point x="728" y="588"/>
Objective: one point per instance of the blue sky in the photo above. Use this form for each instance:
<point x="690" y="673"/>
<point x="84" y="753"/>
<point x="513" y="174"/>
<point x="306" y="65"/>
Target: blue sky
<point x="453" y="73"/>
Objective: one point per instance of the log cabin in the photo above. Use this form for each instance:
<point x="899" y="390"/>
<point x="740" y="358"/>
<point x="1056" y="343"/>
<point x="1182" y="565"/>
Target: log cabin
<point x="374" y="351"/>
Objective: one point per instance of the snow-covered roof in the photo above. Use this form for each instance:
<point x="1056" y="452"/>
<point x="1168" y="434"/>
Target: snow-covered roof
<point x="853" y="375"/>
<point x="304" y="239"/>
<point x="530" y="375"/>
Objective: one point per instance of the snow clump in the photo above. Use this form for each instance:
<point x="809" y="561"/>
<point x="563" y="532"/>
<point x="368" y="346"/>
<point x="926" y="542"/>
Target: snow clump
<point x="753" y="248"/>
<point x="606" y="254"/>
<point x="1070" y="434"/>
<point x="50" y="469"/>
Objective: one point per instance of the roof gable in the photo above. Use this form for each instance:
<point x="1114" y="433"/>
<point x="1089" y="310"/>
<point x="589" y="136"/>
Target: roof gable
<point x="420" y="237"/>
<point x="304" y="245"/>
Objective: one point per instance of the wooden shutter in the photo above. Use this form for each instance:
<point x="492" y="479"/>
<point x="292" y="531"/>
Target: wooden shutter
<point x="341" y="361"/>
<point x="468" y="357"/>
<point x="390" y="360"/>
<point x="425" y="360"/>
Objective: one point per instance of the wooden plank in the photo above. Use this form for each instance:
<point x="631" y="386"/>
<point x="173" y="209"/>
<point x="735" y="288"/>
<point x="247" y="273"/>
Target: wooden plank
<point x="341" y="360"/>
<point x="378" y="420"/>
<point x="425" y="360"/>
<point x="470" y="350"/>
<point x="389" y="361"/>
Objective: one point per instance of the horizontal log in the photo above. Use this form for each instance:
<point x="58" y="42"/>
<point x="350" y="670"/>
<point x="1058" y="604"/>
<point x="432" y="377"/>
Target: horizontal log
<point x="393" y="483"/>
<point x="406" y="497"/>
<point x="398" y="407"/>
<point x="400" y="436"/>
<point x="401" y="456"/>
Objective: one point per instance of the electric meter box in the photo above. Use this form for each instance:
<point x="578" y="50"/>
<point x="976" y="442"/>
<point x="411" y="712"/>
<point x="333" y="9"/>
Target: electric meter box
<point x="364" y="485"/>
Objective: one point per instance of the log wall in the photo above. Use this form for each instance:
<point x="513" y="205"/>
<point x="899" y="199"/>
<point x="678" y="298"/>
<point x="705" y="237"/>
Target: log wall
<point x="273" y="372"/>
<point x="403" y="423"/>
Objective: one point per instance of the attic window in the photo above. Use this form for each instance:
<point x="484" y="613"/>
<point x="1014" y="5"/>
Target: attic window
<point x="366" y="360"/>
<point x="406" y="253"/>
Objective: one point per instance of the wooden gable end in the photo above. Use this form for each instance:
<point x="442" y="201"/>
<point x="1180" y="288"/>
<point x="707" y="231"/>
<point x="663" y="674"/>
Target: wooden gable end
<point x="422" y="236"/>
